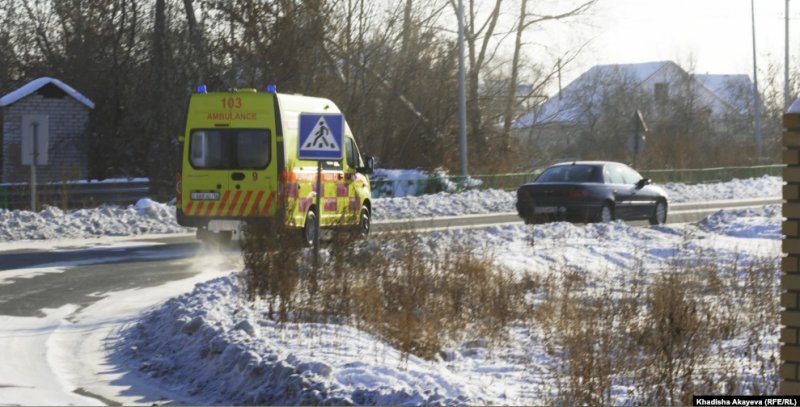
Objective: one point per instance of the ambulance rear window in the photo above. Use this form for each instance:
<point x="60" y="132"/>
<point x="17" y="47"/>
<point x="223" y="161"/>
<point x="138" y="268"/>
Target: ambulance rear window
<point x="233" y="149"/>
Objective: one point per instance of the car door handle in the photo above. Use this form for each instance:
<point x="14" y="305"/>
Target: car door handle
<point x="237" y="176"/>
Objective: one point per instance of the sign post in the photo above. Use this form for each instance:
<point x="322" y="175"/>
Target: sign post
<point x="320" y="138"/>
<point x="635" y="142"/>
<point x="35" y="134"/>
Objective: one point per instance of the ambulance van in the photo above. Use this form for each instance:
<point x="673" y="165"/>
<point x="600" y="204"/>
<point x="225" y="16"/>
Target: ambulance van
<point x="240" y="164"/>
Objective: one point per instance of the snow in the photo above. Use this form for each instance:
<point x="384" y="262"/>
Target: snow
<point x="223" y="351"/>
<point x="36" y="84"/>
<point x="147" y="217"/>
<point x="400" y="183"/>
<point x="210" y="346"/>
<point x="492" y="200"/>
<point x="144" y="218"/>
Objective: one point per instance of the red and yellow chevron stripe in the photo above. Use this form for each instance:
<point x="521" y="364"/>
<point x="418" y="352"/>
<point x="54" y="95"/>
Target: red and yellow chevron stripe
<point x="238" y="203"/>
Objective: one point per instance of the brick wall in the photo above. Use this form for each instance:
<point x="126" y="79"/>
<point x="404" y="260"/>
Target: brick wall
<point x="790" y="278"/>
<point x="68" y="120"/>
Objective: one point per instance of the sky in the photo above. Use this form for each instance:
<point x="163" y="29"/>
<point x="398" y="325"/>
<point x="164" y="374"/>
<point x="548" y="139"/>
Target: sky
<point x="714" y="35"/>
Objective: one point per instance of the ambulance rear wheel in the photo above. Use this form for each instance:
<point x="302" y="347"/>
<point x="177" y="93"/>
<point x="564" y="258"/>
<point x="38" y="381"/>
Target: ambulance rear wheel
<point x="364" y="222"/>
<point x="221" y="238"/>
<point x="309" y="229"/>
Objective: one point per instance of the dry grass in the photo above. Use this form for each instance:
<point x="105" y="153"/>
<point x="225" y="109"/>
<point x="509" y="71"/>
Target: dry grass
<point x="392" y="286"/>
<point x="680" y="334"/>
<point x="664" y="336"/>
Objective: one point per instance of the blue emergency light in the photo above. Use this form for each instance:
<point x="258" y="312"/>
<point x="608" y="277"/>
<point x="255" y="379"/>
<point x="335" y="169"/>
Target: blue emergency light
<point x="201" y="89"/>
<point x="272" y="88"/>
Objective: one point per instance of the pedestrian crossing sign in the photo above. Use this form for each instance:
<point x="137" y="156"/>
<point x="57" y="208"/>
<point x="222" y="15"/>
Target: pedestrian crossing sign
<point x="320" y="136"/>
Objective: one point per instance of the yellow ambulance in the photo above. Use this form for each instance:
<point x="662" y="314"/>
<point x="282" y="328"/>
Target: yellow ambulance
<point x="240" y="163"/>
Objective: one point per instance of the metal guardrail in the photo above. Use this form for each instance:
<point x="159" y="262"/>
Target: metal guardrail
<point x="508" y="182"/>
<point x="678" y="213"/>
<point x="720" y="174"/>
<point x="74" y="194"/>
<point x="87" y="194"/>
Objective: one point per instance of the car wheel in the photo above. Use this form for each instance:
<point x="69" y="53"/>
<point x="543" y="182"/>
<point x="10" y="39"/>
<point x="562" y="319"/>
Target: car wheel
<point x="364" y="222"/>
<point x="606" y="213"/>
<point x="310" y="229"/>
<point x="659" y="214"/>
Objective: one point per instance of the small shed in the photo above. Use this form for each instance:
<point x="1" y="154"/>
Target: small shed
<point x="67" y="118"/>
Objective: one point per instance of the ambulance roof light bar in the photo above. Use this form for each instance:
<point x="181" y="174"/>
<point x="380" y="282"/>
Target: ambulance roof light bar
<point x="271" y="88"/>
<point x="201" y="88"/>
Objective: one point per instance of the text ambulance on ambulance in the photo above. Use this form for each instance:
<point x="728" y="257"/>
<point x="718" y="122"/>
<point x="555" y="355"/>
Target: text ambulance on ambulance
<point x="240" y="163"/>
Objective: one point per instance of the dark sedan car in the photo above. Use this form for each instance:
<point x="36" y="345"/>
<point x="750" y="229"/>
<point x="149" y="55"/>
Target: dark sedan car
<point x="591" y="191"/>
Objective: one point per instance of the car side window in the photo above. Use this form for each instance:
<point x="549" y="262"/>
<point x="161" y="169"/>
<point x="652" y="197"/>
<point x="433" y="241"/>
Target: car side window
<point x="630" y="175"/>
<point x="613" y="175"/>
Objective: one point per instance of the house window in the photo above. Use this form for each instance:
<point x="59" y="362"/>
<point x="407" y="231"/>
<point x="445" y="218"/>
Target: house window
<point x="661" y="91"/>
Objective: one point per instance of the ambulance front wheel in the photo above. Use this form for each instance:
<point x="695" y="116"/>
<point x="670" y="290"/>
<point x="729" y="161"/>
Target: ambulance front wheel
<point x="309" y="229"/>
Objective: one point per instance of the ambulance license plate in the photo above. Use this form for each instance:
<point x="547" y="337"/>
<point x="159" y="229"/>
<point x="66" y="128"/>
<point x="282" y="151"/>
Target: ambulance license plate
<point x="205" y="196"/>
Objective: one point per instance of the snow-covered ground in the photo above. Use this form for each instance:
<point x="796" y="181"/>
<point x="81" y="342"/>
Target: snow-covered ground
<point x="210" y="346"/>
<point x="221" y="350"/>
<point x="144" y="218"/>
<point x="149" y="217"/>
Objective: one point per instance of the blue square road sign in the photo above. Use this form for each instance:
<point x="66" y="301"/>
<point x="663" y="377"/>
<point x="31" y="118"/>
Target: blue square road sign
<point x="320" y="137"/>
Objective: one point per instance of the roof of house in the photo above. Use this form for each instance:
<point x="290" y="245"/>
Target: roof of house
<point x="563" y="107"/>
<point x="37" y="84"/>
<point x="729" y="88"/>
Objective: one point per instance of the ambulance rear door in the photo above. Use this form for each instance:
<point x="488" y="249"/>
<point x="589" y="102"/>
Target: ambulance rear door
<point x="231" y="155"/>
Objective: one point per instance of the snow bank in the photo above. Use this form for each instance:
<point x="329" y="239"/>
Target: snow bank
<point x="211" y="346"/>
<point x="145" y="217"/>
<point x="765" y="186"/>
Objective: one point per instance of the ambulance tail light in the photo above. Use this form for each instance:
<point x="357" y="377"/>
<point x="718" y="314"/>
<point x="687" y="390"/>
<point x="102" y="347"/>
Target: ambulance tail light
<point x="178" y="188"/>
<point x="288" y="177"/>
<point x="286" y="181"/>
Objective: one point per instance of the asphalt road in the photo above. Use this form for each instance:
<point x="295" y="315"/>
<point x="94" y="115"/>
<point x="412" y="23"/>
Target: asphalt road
<point x="90" y="272"/>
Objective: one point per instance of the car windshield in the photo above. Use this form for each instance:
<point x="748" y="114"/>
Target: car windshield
<point x="570" y="173"/>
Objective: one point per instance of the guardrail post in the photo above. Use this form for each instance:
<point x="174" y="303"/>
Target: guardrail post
<point x="3" y="197"/>
<point x="790" y="269"/>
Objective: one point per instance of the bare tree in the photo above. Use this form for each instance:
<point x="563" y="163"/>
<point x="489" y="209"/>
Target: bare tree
<point x="525" y="21"/>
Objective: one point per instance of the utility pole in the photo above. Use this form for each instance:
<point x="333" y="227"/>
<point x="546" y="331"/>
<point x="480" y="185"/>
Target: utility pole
<point x="786" y="96"/>
<point x="462" y="101"/>
<point x="756" y="102"/>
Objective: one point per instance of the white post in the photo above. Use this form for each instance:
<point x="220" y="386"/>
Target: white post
<point x="756" y="98"/>
<point x="786" y="97"/>
<point x="319" y="214"/>
<point x="462" y="102"/>
<point x="35" y="126"/>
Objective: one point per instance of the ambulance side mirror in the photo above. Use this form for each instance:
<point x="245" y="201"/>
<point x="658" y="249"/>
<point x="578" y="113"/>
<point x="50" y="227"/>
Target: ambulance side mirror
<point x="369" y="165"/>
<point x="181" y="138"/>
